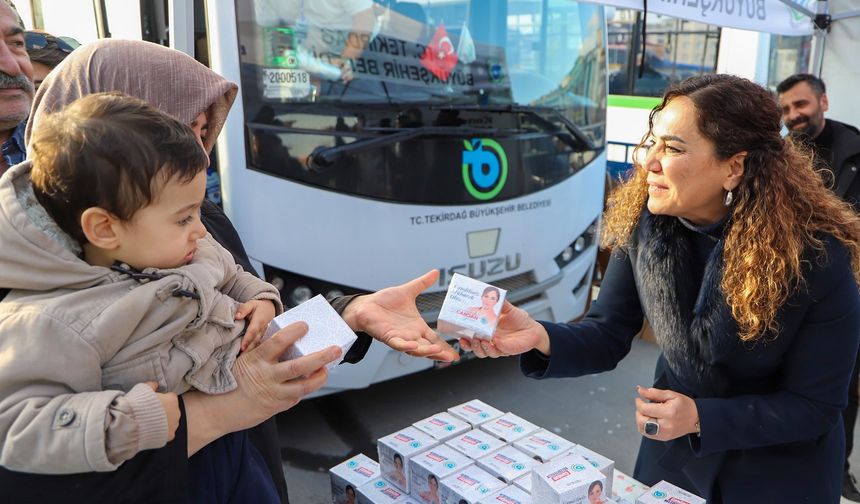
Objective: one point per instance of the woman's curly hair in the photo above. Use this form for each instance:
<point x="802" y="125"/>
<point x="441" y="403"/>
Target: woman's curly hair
<point x="781" y="206"/>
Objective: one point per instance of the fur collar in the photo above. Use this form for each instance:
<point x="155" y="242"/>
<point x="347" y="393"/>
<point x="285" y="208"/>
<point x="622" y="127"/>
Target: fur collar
<point x="688" y="314"/>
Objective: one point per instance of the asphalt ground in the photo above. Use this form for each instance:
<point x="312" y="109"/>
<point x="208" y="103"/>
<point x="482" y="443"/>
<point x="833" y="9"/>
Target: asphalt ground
<point x="595" y="411"/>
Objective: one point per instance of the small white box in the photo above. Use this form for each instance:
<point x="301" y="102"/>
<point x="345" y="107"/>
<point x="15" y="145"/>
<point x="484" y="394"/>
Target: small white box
<point x="665" y="492"/>
<point x="568" y="480"/>
<point x="509" y="495"/>
<point x="626" y="489"/>
<point x="469" y="484"/>
<point x="507" y="464"/>
<point x="325" y="328"/>
<point x="525" y="482"/>
<point x="442" y="426"/>
<point x="475" y="443"/>
<point x="543" y="445"/>
<point x="509" y="427"/>
<point x="475" y="412"/>
<point x="471" y="308"/>
<point x="428" y="469"/>
<point x="599" y="462"/>
<point x="350" y="474"/>
<point x="396" y="449"/>
<point x="380" y="491"/>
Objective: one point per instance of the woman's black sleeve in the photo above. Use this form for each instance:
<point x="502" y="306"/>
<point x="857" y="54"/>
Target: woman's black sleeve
<point x="150" y="476"/>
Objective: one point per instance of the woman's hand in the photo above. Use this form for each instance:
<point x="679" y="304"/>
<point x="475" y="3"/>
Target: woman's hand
<point x="262" y="311"/>
<point x="390" y="316"/>
<point x="266" y="387"/>
<point x="676" y="414"/>
<point x="516" y="333"/>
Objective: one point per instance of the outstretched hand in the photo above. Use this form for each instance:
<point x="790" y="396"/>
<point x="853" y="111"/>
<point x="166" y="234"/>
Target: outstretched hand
<point x="516" y="333"/>
<point x="390" y="316"/>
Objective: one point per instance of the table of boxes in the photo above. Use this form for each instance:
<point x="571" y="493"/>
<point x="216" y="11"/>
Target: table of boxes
<point x="476" y="454"/>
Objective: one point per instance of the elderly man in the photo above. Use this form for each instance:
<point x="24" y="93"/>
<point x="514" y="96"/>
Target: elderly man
<point x="803" y="100"/>
<point x="16" y="87"/>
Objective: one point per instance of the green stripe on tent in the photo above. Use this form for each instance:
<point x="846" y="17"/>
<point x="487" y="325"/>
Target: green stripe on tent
<point x="638" y="102"/>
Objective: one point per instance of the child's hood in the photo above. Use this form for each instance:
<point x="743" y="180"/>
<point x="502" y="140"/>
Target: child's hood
<point x="35" y="254"/>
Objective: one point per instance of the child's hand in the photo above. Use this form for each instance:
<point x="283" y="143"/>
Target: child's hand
<point x="262" y="312"/>
<point x="170" y="403"/>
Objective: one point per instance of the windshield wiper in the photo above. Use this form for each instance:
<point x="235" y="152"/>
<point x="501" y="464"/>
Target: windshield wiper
<point x="572" y="135"/>
<point x="326" y="156"/>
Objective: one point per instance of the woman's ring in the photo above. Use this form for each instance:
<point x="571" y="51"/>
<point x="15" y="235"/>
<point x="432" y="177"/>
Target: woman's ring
<point x="652" y="427"/>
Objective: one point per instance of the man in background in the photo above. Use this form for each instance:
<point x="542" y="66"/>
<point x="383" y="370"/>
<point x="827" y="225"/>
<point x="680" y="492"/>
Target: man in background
<point x="46" y="51"/>
<point x="803" y="100"/>
<point x="16" y="87"/>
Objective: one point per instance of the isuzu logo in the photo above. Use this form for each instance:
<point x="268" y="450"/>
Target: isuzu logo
<point x="479" y="269"/>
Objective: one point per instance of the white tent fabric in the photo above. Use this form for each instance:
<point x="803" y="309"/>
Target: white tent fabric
<point x="771" y="16"/>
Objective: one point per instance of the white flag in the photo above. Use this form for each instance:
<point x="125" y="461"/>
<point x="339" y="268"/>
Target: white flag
<point x="466" y="46"/>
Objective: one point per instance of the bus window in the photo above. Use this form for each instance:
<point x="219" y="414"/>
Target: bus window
<point x="315" y="77"/>
<point x="674" y="50"/>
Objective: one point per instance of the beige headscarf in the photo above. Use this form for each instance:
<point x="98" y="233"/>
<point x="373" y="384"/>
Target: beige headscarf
<point x="169" y="79"/>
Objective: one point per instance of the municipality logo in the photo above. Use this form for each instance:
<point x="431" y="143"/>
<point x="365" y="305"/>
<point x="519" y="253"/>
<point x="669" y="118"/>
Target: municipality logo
<point x="485" y="168"/>
<point x="352" y="463"/>
<point x="658" y="494"/>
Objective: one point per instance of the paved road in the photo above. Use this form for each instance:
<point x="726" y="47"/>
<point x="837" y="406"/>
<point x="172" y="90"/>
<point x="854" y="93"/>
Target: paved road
<point x="596" y="411"/>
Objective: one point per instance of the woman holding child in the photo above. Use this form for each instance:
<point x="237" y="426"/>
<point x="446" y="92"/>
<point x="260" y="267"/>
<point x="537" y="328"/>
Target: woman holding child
<point x="195" y="96"/>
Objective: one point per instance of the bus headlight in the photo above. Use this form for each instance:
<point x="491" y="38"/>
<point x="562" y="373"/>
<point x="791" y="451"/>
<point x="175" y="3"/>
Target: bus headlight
<point x="334" y="293"/>
<point x="277" y="282"/>
<point x="301" y="294"/>
<point x="567" y="254"/>
<point x="578" y="246"/>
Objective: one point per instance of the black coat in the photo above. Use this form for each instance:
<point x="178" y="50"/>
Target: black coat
<point x="770" y="411"/>
<point x="844" y="163"/>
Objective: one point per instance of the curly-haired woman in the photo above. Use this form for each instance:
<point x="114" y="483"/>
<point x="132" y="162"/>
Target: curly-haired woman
<point x="747" y="268"/>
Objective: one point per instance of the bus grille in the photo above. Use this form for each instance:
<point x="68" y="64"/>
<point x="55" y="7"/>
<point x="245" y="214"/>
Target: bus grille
<point x="432" y="302"/>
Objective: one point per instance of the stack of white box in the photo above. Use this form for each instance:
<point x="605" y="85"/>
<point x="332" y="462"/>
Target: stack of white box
<point x="476" y="454"/>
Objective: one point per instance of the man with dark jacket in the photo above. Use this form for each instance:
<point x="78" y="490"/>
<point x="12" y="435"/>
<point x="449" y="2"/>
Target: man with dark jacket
<point x="803" y="100"/>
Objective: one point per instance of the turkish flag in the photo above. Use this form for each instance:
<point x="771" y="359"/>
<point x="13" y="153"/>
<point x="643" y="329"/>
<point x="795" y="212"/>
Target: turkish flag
<point x="440" y="57"/>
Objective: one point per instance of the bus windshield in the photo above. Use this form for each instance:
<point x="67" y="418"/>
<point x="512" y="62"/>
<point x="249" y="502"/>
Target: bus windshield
<point x="325" y="73"/>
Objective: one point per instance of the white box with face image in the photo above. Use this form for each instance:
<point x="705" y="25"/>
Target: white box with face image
<point x="475" y="412"/>
<point x="599" y="462"/>
<point x="524" y="482"/>
<point x="475" y="443"/>
<point x="507" y="464"/>
<point x="509" y="427"/>
<point x="568" y="480"/>
<point x="350" y="474"/>
<point x="509" y="495"/>
<point x="442" y="426"/>
<point x="429" y="468"/>
<point x="396" y="449"/>
<point x="471" y="308"/>
<point x="469" y="485"/>
<point x="325" y="328"/>
<point x="665" y="492"/>
<point x="543" y="445"/>
<point x="381" y="491"/>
